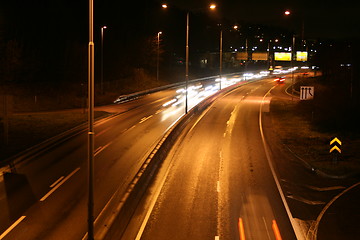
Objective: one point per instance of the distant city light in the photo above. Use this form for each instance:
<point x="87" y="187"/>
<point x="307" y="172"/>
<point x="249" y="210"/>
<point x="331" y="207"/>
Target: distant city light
<point x="287" y="12"/>
<point x="164" y="5"/>
<point x="212" y="6"/>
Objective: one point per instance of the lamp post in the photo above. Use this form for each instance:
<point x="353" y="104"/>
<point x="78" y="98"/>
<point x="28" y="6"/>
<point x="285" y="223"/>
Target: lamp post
<point x="158" y="55"/>
<point x="187" y="63"/>
<point x="221" y="56"/>
<point x="91" y="123"/>
<point x="288" y="13"/>
<point x="102" y="60"/>
<point x="211" y="7"/>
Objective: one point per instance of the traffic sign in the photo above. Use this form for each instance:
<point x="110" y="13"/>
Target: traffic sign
<point x="306" y="92"/>
<point x="335" y="144"/>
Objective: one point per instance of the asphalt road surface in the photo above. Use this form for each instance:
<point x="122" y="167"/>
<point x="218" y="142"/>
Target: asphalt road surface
<point x="219" y="184"/>
<point x="47" y="198"/>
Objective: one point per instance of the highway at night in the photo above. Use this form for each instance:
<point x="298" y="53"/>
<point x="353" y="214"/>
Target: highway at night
<point x="57" y="185"/>
<point x="219" y="184"/>
<point x="179" y="120"/>
<point x="51" y="201"/>
<point x="229" y="177"/>
<point x="226" y="177"/>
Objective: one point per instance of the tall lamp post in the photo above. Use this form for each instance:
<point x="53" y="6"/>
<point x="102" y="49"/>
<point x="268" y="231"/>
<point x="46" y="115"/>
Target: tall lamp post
<point x="212" y="7"/>
<point x="91" y="123"/>
<point x="102" y="60"/>
<point x="187" y="62"/>
<point x="158" y="55"/>
<point x="221" y="56"/>
<point x="288" y="13"/>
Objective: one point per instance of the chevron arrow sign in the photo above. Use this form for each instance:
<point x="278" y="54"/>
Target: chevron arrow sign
<point x="335" y="144"/>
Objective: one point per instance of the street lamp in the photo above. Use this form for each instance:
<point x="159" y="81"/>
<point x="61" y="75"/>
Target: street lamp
<point x="187" y="62"/>
<point x="211" y="7"/>
<point x="158" y="54"/>
<point x="221" y="55"/>
<point x="287" y="13"/>
<point x="91" y="59"/>
<point x="102" y="60"/>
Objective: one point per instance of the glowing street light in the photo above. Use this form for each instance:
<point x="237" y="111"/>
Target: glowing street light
<point x="158" y="54"/>
<point x="212" y="6"/>
<point x="287" y="12"/>
<point x="102" y="60"/>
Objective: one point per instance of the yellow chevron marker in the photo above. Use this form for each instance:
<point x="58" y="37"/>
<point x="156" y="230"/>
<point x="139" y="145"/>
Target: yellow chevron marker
<point x="335" y="148"/>
<point x="335" y="140"/>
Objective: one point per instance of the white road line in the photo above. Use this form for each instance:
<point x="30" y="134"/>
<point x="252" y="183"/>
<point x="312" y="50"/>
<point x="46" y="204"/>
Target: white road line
<point x="57" y="181"/>
<point x="315" y="226"/>
<point x="145" y="118"/>
<point x="218" y="186"/>
<point x="217" y="237"/>
<point x="100" y="149"/>
<point x="57" y="186"/>
<point x="298" y="232"/>
<point x="267" y="230"/>
<point x="12" y="227"/>
<point x="97" y="150"/>
<point x="102" y="132"/>
<point x="152" y="203"/>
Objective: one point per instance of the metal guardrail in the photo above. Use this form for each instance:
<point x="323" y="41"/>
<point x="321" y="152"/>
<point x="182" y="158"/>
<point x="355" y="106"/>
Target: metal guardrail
<point x="129" y="97"/>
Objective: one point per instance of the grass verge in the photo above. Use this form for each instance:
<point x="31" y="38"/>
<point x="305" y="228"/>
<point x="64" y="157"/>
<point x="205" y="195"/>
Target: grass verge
<point x="26" y="130"/>
<point x="307" y="138"/>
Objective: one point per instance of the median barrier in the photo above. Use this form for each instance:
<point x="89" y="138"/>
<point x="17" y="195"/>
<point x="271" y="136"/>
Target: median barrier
<point x="112" y="223"/>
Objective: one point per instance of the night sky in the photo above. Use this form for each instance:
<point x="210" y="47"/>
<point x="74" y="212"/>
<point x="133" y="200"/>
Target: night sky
<point x="323" y="19"/>
<point x="45" y="37"/>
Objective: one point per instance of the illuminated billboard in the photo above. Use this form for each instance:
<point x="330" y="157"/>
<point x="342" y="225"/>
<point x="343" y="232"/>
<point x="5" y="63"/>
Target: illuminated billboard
<point x="260" y="56"/>
<point x="241" y="56"/>
<point x="282" y="56"/>
<point x="301" y="56"/>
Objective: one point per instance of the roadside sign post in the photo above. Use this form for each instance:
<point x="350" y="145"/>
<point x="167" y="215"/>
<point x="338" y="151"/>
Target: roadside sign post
<point x="306" y="92"/>
<point x="335" y="149"/>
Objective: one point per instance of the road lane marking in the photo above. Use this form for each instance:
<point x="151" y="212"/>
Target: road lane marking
<point x="97" y="150"/>
<point x="145" y="118"/>
<point x="12" y="227"/>
<point x="159" y="111"/>
<point x="231" y="122"/>
<point x="217" y="238"/>
<point x="56" y="182"/>
<point x="100" y="149"/>
<point x="323" y="189"/>
<point x="201" y="116"/>
<point x="314" y="227"/>
<point x="153" y="201"/>
<point x="296" y="228"/>
<point x="218" y="186"/>
<point x="241" y="229"/>
<point x="306" y="201"/>
<point x="102" y="132"/>
<point x="58" y="185"/>
<point x="267" y="230"/>
<point x="276" y="230"/>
